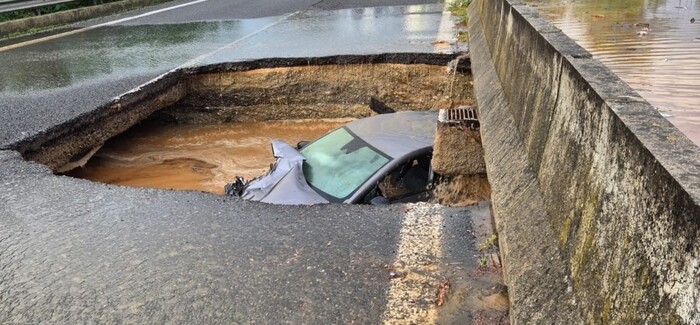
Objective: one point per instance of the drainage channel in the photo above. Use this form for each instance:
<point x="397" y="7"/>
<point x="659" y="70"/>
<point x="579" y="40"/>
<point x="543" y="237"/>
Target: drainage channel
<point x="201" y="130"/>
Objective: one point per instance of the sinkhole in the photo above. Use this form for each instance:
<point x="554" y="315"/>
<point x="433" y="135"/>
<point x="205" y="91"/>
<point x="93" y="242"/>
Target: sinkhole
<point x="199" y="128"/>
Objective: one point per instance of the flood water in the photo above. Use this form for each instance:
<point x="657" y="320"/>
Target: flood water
<point x="195" y="157"/>
<point x="661" y="62"/>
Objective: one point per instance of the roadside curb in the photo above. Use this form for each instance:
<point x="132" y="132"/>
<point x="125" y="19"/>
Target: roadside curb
<point x="72" y="16"/>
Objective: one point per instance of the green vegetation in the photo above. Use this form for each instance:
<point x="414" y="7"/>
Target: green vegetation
<point x="459" y="9"/>
<point x="483" y="259"/>
<point x="50" y="9"/>
<point x="488" y="242"/>
<point x="487" y="248"/>
<point x="462" y="36"/>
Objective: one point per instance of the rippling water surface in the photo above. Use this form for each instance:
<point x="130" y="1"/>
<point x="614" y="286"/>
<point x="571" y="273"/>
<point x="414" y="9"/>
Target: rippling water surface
<point x="661" y="61"/>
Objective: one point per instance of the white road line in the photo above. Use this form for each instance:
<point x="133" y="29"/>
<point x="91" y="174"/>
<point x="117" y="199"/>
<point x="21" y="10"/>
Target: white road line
<point x="230" y="45"/>
<point x="410" y="300"/>
<point x="201" y="57"/>
<point x="150" y="13"/>
<point x="109" y="23"/>
<point x="446" y="31"/>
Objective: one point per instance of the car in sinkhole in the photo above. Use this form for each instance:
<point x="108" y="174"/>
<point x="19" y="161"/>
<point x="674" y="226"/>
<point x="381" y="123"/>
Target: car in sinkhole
<point x="375" y="160"/>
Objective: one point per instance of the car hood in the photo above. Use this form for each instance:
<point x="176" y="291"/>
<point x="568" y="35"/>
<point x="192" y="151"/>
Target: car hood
<point x="285" y="182"/>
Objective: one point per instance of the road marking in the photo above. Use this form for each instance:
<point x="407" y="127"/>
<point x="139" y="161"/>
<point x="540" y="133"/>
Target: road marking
<point x="230" y="45"/>
<point x="446" y="37"/>
<point x="201" y="57"/>
<point x="150" y="13"/>
<point x="410" y="300"/>
<point x="109" y="23"/>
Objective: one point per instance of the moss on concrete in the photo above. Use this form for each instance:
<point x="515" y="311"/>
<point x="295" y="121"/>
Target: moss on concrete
<point x="623" y="201"/>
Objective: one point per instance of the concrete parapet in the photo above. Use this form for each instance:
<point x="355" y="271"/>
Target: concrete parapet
<point x="596" y="195"/>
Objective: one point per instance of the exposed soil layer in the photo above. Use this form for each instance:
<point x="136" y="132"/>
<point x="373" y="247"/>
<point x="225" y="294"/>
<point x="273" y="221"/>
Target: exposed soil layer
<point x="328" y="91"/>
<point x="462" y="190"/>
<point x="69" y="141"/>
<point x="74" y="142"/>
<point x="467" y="160"/>
<point x="217" y="131"/>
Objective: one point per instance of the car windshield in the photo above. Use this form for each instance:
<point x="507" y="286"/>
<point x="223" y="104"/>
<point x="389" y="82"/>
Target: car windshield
<point x="339" y="162"/>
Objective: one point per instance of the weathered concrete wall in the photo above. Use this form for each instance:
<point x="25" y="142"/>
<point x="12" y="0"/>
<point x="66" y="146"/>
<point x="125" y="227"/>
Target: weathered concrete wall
<point x="596" y="196"/>
<point x="72" y="16"/>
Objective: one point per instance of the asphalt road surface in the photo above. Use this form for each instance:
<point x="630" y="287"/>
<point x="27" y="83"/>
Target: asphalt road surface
<point x="73" y="251"/>
<point x="52" y="80"/>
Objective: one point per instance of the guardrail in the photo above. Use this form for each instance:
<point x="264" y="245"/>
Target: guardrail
<point x="7" y="6"/>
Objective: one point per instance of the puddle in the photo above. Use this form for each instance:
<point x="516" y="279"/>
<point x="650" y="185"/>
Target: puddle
<point x="660" y="62"/>
<point x="195" y="157"/>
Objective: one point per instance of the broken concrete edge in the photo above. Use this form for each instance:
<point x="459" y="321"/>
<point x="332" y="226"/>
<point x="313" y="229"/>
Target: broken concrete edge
<point x="20" y="26"/>
<point x="398" y="58"/>
<point x="614" y="184"/>
<point x="135" y="105"/>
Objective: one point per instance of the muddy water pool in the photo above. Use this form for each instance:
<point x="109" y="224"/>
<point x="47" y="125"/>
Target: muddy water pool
<point x="653" y="45"/>
<point x="195" y="157"/>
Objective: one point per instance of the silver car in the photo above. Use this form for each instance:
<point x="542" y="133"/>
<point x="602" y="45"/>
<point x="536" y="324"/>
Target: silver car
<point x="378" y="160"/>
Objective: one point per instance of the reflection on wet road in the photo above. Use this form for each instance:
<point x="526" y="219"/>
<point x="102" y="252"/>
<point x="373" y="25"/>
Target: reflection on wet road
<point x="352" y="31"/>
<point x="661" y="61"/>
<point x="121" y="51"/>
<point x="195" y="157"/>
<point x="53" y="82"/>
<point x="113" y="52"/>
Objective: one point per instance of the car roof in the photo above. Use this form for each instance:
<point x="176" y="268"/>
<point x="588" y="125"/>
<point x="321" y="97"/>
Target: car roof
<point x="397" y="134"/>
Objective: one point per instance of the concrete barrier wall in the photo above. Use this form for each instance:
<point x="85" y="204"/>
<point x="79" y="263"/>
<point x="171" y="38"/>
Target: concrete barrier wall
<point x="71" y="16"/>
<point x="596" y="196"/>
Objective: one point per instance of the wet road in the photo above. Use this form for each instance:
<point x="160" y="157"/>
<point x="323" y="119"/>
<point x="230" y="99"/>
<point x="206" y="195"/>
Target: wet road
<point x="47" y="83"/>
<point x="73" y="251"/>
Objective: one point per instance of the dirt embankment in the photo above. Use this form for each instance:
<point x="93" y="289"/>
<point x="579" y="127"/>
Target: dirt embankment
<point x="329" y="91"/>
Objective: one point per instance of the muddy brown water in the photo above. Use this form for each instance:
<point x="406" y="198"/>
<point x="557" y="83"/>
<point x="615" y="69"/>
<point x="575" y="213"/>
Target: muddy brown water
<point x="216" y="129"/>
<point x="195" y="157"/>
<point x="661" y="62"/>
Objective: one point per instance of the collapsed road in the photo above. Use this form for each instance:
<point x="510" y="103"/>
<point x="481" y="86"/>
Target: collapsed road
<point x="76" y="251"/>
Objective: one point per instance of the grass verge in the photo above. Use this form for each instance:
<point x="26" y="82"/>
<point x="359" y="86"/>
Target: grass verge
<point x="459" y="9"/>
<point x="50" y="9"/>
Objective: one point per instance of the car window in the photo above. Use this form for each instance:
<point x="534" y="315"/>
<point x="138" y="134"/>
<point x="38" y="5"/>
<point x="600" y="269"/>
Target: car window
<point x="410" y="178"/>
<point x="339" y="162"/>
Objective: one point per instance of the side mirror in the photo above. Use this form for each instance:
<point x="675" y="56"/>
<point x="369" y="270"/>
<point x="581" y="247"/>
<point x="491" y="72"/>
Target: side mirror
<point x="302" y="144"/>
